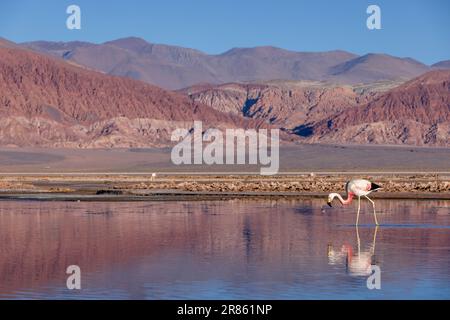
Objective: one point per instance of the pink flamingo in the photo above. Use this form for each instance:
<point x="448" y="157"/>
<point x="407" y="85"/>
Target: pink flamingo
<point x="356" y="263"/>
<point x="359" y="188"/>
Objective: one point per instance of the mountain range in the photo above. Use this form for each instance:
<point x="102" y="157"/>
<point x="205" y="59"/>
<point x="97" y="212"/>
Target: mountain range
<point x="174" y="67"/>
<point x="286" y="104"/>
<point x="54" y="98"/>
<point x="48" y="102"/>
<point x="416" y="112"/>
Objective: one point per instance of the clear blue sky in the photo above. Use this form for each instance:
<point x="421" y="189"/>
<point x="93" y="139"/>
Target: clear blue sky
<point x="410" y="28"/>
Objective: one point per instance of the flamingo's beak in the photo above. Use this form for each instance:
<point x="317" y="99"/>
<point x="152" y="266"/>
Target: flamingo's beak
<point x="329" y="203"/>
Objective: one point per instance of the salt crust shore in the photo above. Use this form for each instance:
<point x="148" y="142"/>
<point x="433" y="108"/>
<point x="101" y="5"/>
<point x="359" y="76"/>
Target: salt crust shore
<point x="173" y="187"/>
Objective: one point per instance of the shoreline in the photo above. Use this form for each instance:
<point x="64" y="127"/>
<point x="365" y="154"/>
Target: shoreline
<point x="133" y="187"/>
<point x="202" y="196"/>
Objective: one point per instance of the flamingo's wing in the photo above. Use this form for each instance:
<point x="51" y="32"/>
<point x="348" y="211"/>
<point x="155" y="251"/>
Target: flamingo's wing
<point x="359" y="187"/>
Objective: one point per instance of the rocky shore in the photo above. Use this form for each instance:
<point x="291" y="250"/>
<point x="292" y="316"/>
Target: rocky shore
<point x="431" y="185"/>
<point x="113" y="185"/>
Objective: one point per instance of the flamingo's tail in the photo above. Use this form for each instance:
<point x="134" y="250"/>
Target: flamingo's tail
<point x="375" y="187"/>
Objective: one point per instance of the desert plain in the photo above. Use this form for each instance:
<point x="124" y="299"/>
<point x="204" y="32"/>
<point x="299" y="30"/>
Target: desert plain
<point x="306" y="170"/>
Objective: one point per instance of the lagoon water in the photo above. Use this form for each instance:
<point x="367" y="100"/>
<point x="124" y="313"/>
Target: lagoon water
<point x="232" y="249"/>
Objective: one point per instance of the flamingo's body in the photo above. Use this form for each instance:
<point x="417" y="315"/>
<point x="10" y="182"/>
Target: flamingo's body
<point x="359" y="188"/>
<point x="357" y="263"/>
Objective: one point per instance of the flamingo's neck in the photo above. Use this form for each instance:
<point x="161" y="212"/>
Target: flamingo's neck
<point x="344" y="202"/>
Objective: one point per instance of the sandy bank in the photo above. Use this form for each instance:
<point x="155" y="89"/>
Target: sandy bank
<point x="173" y="187"/>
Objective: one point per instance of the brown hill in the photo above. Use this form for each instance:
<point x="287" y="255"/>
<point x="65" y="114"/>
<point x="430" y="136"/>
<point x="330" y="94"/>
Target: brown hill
<point x="373" y="67"/>
<point x="47" y="102"/>
<point x="175" y="67"/>
<point x="4" y="43"/>
<point x="417" y="112"/>
<point x="442" y="65"/>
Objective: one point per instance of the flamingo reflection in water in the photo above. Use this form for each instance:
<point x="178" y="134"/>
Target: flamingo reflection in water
<point x="357" y="264"/>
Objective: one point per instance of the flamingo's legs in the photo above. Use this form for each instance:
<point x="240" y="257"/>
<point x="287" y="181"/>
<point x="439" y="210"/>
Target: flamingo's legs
<point x="358" y="242"/>
<point x="374" y="239"/>
<point x="374" y="212"/>
<point x="359" y="209"/>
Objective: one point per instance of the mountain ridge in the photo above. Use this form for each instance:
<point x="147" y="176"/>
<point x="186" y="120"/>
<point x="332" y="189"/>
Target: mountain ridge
<point x="46" y="101"/>
<point x="416" y="112"/>
<point x="49" y="100"/>
<point x="175" y="67"/>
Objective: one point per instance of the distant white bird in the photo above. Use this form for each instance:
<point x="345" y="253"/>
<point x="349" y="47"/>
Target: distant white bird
<point x="359" y="188"/>
<point x="153" y="177"/>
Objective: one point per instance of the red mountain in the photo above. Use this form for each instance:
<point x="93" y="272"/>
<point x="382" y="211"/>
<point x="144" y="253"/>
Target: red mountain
<point x="416" y="112"/>
<point x="287" y="104"/>
<point x="49" y="102"/>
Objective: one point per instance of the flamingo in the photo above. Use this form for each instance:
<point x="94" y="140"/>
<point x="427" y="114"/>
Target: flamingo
<point x="359" y="188"/>
<point x="360" y="264"/>
<point x="356" y="264"/>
